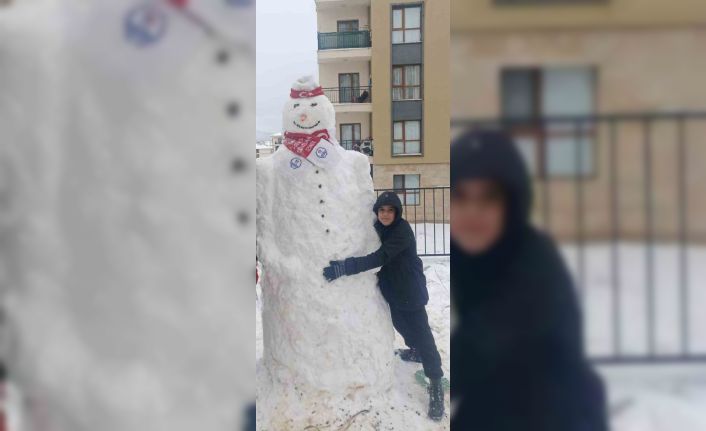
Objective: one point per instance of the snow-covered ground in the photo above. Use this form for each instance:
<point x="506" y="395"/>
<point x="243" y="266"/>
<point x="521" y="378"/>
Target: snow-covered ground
<point x="646" y="397"/>
<point x="625" y="305"/>
<point x="642" y="398"/>
<point x="657" y="397"/>
<point x="408" y="408"/>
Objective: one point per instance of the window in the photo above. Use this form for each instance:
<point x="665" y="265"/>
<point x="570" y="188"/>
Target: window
<point x="556" y="149"/>
<point x="406" y="137"/>
<point x="407" y="188"/>
<point x="348" y="25"/>
<point x="350" y="136"/>
<point x="348" y="87"/>
<point x="407" y="24"/>
<point x="406" y="82"/>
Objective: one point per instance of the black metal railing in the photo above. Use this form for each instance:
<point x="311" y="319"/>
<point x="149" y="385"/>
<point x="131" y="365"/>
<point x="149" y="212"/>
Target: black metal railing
<point x="623" y="195"/>
<point x="364" y="146"/>
<point x="357" y="94"/>
<point x="344" y="39"/>
<point x="427" y="211"/>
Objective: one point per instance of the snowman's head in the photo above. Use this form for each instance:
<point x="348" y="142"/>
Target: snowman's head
<point x="308" y="109"/>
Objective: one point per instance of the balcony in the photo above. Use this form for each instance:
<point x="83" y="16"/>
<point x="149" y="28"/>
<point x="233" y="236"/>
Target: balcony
<point x="364" y="146"/>
<point x="350" y="99"/>
<point x="344" y="40"/>
<point x="355" y="94"/>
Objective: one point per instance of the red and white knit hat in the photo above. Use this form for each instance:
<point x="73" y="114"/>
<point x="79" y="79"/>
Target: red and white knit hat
<point x="305" y="88"/>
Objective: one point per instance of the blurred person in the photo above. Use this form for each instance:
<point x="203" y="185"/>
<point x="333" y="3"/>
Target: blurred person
<point x="517" y="347"/>
<point x="403" y="285"/>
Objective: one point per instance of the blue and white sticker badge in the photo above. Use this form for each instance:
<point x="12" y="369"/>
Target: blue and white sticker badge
<point x="295" y="163"/>
<point x="321" y="152"/>
<point x="145" y="24"/>
<point x="325" y="154"/>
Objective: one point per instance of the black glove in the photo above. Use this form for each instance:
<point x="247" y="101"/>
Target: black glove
<point x="335" y="269"/>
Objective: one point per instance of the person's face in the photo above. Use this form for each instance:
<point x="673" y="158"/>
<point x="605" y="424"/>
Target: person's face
<point x="477" y="214"/>
<point x="386" y="214"/>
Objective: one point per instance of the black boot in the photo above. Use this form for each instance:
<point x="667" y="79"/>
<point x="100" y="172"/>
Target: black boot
<point x="436" y="400"/>
<point x="409" y="355"/>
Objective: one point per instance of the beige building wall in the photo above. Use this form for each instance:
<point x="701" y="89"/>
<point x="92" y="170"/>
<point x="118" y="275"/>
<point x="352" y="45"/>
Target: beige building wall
<point x="645" y="56"/>
<point x="490" y="15"/>
<point x="328" y="72"/>
<point x="433" y="164"/>
<point x="637" y="70"/>
<point x="352" y="118"/>
<point x="327" y="19"/>
<point x="433" y="203"/>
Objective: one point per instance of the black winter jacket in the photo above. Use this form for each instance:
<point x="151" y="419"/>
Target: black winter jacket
<point x="517" y="350"/>
<point x="401" y="278"/>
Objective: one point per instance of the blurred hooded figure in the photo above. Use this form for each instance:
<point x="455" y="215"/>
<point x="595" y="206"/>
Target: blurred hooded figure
<point x="517" y="347"/>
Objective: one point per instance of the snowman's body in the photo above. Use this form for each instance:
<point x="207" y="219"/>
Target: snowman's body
<point x="322" y="340"/>
<point x="119" y="241"/>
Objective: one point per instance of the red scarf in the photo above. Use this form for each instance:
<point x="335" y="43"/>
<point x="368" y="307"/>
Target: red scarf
<point x="302" y="144"/>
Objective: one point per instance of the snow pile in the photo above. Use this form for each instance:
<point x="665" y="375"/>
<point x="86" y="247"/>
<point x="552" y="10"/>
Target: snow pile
<point x="657" y="398"/>
<point x="406" y="407"/>
<point x="327" y="346"/>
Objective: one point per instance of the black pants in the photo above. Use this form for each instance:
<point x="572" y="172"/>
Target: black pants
<point x="413" y="326"/>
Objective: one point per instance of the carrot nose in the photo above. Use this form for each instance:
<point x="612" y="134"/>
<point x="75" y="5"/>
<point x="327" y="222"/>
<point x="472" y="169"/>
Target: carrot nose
<point x="303" y="117"/>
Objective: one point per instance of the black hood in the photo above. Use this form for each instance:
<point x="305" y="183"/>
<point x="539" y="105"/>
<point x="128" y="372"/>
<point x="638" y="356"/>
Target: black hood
<point x="388" y="198"/>
<point x="492" y="155"/>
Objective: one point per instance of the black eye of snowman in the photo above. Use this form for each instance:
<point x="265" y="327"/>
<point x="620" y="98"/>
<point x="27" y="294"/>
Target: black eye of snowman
<point x="296" y="105"/>
<point x="314" y="104"/>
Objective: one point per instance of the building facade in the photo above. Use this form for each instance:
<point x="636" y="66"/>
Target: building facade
<point x="626" y="76"/>
<point x="385" y="66"/>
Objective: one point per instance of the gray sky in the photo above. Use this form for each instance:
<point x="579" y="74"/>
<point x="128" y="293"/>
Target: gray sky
<point x="286" y="50"/>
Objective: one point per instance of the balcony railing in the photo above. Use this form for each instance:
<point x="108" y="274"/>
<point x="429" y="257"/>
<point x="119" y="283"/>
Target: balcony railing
<point x="344" y="39"/>
<point x="356" y="94"/>
<point x="364" y="146"/>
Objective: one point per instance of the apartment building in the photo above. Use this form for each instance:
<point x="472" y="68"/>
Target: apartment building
<point x="626" y="76"/>
<point x="385" y="66"/>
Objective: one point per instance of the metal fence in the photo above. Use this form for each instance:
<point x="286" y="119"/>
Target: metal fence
<point x="344" y="39"/>
<point x="356" y="94"/>
<point x="625" y="195"/>
<point x="427" y="211"/>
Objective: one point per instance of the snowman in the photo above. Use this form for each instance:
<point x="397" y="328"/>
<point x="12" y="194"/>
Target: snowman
<point x="327" y="346"/>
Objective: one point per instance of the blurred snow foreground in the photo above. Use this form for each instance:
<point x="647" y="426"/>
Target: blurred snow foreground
<point x="124" y="232"/>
